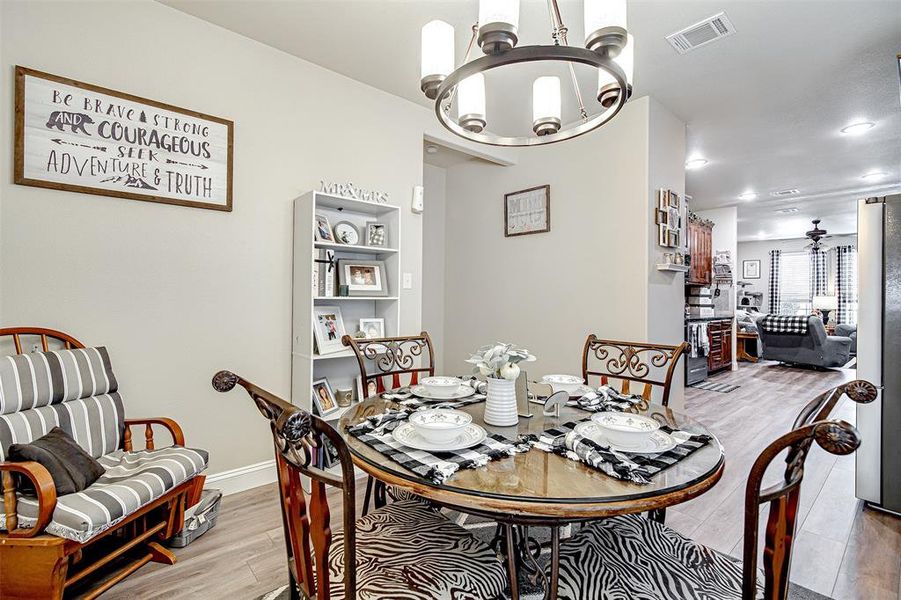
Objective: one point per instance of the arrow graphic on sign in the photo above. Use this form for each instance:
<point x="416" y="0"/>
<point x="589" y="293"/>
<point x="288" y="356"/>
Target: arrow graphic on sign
<point x="184" y="164"/>
<point x="59" y="141"/>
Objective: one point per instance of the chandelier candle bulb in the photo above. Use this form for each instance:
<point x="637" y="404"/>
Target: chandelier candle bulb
<point x="608" y="88"/>
<point x="437" y="56"/>
<point x="471" y="103"/>
<point x="498" y="25"/>
<point x="546" y="105"/>
<point x="605" y="26"/>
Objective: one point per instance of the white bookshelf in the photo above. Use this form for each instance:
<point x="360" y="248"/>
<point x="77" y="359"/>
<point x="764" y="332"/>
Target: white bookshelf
<point x="340" y="368"/>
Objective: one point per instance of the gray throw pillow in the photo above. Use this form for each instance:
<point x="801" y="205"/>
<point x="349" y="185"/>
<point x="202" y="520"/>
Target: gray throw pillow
<point x="71" y="468"/>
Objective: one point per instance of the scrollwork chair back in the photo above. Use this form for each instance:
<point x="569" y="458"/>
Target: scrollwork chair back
<point x="812" y="424"/>
<point x="391" y="357"/>
<point x="650" y="364"/>
<point x="298" y="436"/>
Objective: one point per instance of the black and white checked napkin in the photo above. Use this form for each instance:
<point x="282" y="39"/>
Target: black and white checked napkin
<point x="436" y="467"/>
<point x="638" y="468"/>
<point x="605" y="398"/>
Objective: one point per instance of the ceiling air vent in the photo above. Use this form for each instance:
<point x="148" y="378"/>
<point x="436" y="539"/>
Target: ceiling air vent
<point x="787" y="211"/>
<point x="710" y="29"/>
<point x="783" y="193"/>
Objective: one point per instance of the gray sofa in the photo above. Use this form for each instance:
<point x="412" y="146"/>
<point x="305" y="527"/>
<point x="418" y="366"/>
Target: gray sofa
<point x="850" y="331"/>
<point x="815" y="348"/>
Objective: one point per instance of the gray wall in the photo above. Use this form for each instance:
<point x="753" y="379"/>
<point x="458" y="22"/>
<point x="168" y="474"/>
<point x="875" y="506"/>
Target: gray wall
<point x="178" y="293"/>
<point x="433" y="259"/>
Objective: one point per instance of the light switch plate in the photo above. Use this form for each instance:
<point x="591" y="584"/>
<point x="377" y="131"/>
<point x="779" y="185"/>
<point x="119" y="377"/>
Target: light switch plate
<point x="408" y="281"/>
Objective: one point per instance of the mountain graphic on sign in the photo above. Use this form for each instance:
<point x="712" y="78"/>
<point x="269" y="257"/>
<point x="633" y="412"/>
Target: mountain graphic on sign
<point x="129" y="181"/>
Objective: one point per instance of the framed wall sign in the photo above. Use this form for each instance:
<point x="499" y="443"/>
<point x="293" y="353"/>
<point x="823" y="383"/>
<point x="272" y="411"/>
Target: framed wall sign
<point x="527" y="211"/>
<point x="750" y="269"/>
<point x="79" y="137"/>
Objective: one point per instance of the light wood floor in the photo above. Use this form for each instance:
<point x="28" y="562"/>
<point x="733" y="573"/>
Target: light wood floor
<point x="842" y="550"/>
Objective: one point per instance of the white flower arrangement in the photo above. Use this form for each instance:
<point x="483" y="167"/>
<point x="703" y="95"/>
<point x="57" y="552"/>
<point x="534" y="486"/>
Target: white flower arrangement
<point x="499" y="360"/>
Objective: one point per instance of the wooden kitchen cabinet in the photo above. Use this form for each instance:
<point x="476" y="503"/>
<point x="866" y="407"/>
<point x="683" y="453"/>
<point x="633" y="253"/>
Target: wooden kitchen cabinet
<point x="719" y="333"/>
<point x="700" y="249"/>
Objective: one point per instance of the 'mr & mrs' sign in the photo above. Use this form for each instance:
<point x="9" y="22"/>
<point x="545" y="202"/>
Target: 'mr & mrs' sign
<point x="83" y="138"/>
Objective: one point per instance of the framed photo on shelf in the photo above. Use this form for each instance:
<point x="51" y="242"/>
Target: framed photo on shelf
<point x="324" y="398"/>
<point x="346" y="233"/>
<point x="323" y="229"/>
<point x="371" y="389"/>
<point x="527" y="211"/>
<point x="373" y="328"/>
<point x="376" y="235"/>
<point x="750" y="269"/>
<point x="363" y="277"/>
<point x="328" y="329"/>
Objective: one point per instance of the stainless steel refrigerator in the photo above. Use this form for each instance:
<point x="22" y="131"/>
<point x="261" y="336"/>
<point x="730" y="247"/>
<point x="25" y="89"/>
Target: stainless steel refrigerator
<point x="878" y="470"/>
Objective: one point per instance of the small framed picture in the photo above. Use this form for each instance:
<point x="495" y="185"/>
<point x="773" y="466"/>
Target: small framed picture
<point x="346" y="233"/>
<point x="324" y="398"/>
<point x="363" y="277"/>
<point x="370" y="391"/>
<point x="373" y="328"/>
<point x="323" y="230"/>
<point x="328" y="329"/>
<point x="527" y="211"/>
<point x="750" y="269"/>
<point x="376" y="235"/>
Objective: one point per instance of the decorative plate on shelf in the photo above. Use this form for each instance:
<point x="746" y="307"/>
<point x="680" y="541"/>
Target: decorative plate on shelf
<point x="464" y="391"/>
<point x="346" y="233"/>
<point x="654" y="443"/>
<point x="407" y="435"/>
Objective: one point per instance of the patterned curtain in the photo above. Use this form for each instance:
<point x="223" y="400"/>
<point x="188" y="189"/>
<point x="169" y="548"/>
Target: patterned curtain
<point x="818" y="275"/>
<point x="846" y="284"/>
<point x="775" y="262"/>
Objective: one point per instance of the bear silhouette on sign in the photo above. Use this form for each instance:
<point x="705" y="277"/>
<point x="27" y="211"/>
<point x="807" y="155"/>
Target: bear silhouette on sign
<point x="76" y="121"/>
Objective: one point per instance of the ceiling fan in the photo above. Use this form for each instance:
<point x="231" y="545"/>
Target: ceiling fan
<point x="815" y="236"/>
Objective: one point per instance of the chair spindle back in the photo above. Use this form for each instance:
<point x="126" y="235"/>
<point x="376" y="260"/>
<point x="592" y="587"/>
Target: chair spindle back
<point x="812" y="424"/>
<point x="49" y="339"/>
<point x="298" y="436"/>
<point x="391" y="357"/>
<point x="632" y="362"/>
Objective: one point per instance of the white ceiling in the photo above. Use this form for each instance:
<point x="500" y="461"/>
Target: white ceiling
<point x="763" y="106"/>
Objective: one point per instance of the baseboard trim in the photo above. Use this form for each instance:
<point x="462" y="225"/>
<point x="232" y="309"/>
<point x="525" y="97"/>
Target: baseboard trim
<point x="243" y="478"/>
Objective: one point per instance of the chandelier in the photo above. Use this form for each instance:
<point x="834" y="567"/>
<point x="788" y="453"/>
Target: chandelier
<point x="608" y="47"/>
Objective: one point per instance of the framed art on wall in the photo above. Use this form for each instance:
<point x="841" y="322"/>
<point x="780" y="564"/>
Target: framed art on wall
<point x="77" y="137"/>
<point x="324" y="398"/>
<point x="328" y="329"/>
<point x="363" y="277"/>
<point x="750" y="269"/>
<point x="527" y="211"/>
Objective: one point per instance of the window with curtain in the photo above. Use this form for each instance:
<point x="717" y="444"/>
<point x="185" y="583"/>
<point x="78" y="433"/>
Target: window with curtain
<point x="846" y="284"/>
<point x="794" y="283"/>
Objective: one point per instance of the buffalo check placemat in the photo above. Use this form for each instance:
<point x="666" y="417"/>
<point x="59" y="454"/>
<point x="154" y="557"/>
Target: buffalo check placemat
<point x="638" y="468"/>
<point x="437" y="467"/>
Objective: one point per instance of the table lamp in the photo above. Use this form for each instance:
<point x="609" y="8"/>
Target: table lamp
<point x="825" y="304"/>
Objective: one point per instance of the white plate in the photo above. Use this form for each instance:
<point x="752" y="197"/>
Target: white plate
<point x="464" y="391"/>
<point x="407" y="435"/>
<point x="656" y="442"/>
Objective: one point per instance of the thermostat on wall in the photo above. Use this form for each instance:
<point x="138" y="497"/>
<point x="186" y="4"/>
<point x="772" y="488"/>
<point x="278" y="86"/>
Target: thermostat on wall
<point x="417" y="199"/>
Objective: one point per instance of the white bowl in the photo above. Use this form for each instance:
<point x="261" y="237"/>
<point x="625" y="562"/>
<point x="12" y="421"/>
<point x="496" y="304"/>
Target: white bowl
<point x="563" y="383"/>
<point x="625" y="430"/>
<point x="443" y="387"/>
<point x="440" y="425"/>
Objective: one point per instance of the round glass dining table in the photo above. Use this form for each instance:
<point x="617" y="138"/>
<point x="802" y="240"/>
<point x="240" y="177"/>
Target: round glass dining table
<point x="543" y="488"/>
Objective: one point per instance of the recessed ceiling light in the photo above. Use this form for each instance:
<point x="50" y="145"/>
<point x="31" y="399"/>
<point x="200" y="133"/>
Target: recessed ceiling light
<point x="748" y="196"/>
<point x="787" y="211"/>
<point x="431" y="149"/>
<point x="788" y="192"/>
<point x="858" y="128"/>
<point x="695" y="163"/>
<point x="874" y="175"/>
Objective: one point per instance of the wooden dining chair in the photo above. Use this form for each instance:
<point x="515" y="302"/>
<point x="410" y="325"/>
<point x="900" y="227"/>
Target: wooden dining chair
<point x="650" y="364"/>
<point x="405" y="550"/>
<point x="598" y="562"/>
<point x="383" y="361"/>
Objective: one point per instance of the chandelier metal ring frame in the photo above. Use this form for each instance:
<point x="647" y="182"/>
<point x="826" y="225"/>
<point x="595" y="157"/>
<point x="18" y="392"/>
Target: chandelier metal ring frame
<point x="524" y="54"/>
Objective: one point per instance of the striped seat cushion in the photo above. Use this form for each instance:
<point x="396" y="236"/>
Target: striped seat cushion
<point x="44" y="378"/>
<point x="409" y="551"/>
<point x="635" y="558"/>
<point x="96" y="423"/>
<point x="132" y="479"/>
